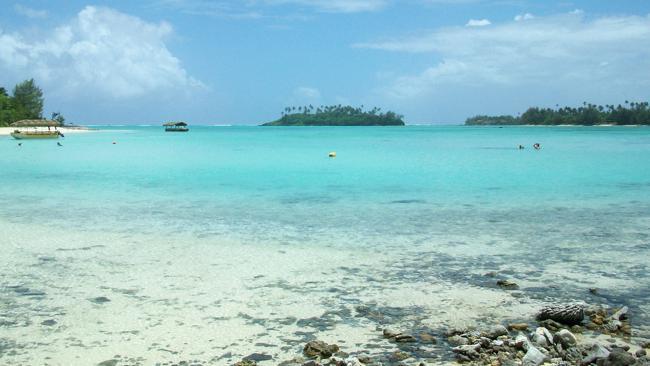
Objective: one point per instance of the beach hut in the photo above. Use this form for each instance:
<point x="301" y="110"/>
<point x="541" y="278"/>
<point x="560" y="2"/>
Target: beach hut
<point x="176" y="127"/>
<point x="35" y="129"/>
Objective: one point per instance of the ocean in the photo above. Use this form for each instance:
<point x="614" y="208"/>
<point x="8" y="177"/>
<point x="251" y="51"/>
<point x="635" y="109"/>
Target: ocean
<point x="132" y="244"/>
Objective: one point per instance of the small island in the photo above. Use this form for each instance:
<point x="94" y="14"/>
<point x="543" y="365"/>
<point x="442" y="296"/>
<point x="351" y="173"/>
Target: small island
<point x="588" y="115"/>
<point x="25" y="103"/>
<point x="336" y="115"/>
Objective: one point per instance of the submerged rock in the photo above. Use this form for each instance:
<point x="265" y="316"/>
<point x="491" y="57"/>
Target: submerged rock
<point x="391" y="333"/>
<point x="320" y="349"/>
<point x="496" y="331"/>
<point x="619" y="357"/>
<point x="566" y="314"/>
<point x="48" y="322"/>
<point x="246" y="363"/>
<point x="597" y="352"/>
<point x="507" y="284"/>
<point x="518" y="326"/>
<point x="621" y="314"/>
<point x="258" y="357"/>
<point x="405" y="338"/>
<point x="467" y="352"/>
<point x="112" y="362"/>
<point x="457" y="340"/>
<point x="100" y="300"/>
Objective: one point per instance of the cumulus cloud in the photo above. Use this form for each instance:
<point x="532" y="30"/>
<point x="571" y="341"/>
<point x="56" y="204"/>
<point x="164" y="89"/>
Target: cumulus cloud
<point x="100" y="51"/>
<point x="29" y="12"/>
<point x="478" y="23"/>
<point x="566" y="49"/>
<point x="525" y="16"/>
<point x="337" y="6"/>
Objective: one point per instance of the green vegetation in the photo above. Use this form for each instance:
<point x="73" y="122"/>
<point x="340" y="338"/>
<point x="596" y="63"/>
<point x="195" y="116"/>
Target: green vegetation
<point x="336" y="115"/>
<point x="26" y="102"/>
<point x="589" y="114"/>
<point x="492" y="120"/>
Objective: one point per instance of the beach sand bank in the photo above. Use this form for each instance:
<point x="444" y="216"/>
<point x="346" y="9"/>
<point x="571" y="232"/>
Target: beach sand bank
<point x="6" y="131"/>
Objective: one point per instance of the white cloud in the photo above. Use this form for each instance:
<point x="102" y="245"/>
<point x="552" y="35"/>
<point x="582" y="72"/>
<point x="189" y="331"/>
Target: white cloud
<point x="478" y="23"/>
<point x="525" y="16"/>
<point x="566" y="49"/>
<point x="306" y="93"/>
<point x="336" y="6"/>
<point x="29" y="12"/>
<point x="101" y="51"/>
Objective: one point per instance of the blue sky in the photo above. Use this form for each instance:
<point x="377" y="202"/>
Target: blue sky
<point x="242" y="62"/>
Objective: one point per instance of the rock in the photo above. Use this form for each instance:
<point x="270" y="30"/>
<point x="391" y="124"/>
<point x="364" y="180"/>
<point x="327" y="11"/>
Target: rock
<point x="246" y="363"/>
<point x="518" y="326"/>
<point x="470" y="351"/>
<point x="48" y="322"/>
<point x="618" y="357"/>
<point x="566" y="314"/>
<point x="364" y="359"/>
<point x="391" y="333"/>
<point x="644" y="344"/>
<point x="457" y="340"/>
<point x="596" y="352"/>
<point x="100" y="300"/>
<point x="496" y="331"/>
<point x="551" y="325"/>
<point x="319" y="349"/>
<point x="258" y="357"/>
<point x="533" y="357"/>
<point x="507" y="284"/>
<point x="613" y="326"/>
<point x="621" y="314"/>
<point x="428" y="338"/>
<point x="310" y="363"/>
<point x="542" y="337"/>
<point x="112" y="362"/>
<point x="521" y="342"/>
<point x="490" y="274"/>
<point x="405" y="338"/>
<point x="353" y="361"/>
<point x="640" y="353"/>
<point x="566" y="338"/>
<point x="399" y="356"/>
<point x="298" y="361"/>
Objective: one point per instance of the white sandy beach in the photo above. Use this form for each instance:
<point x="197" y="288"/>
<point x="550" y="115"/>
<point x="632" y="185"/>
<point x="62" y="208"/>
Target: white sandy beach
<point x="5" y="131"/>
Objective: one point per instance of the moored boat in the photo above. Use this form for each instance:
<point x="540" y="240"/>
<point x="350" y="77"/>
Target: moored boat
<point x="37" y="130"/>
<point x="176" y="127"/>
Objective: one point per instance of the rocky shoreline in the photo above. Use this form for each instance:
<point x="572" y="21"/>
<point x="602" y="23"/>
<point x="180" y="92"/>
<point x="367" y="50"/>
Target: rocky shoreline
<point x="568" y="334"/>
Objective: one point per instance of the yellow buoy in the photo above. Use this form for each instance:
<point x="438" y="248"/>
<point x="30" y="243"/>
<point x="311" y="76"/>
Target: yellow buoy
<point x="332" y="154"/>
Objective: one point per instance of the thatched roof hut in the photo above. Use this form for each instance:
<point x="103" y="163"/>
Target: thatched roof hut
<point x="36" y="123"/>
<point x="178" y="124"/>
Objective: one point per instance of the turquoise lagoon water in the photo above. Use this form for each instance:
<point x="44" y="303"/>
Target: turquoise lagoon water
<point x="260" y="230"/>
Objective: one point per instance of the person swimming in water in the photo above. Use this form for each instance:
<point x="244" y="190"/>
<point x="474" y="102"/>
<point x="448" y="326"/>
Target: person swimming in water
<point x="521" y="147"/>
<point x="537" y="146"/>
<point x="60" y="144"/>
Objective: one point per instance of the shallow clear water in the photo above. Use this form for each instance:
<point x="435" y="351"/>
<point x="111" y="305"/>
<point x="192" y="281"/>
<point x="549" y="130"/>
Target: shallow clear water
<point x="230" y="230"/>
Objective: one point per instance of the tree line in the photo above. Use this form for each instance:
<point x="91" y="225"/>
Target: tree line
<point x="25" y="102"/>
<point x="336" y="115"/>
<point x="630" y="113"/>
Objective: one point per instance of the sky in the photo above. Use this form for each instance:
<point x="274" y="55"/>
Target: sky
<point x="244" y="61"/>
